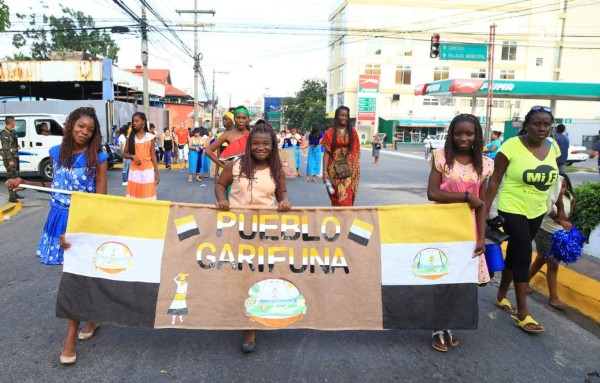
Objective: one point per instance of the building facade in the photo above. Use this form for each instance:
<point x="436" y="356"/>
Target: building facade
<point x="390" y="40"/>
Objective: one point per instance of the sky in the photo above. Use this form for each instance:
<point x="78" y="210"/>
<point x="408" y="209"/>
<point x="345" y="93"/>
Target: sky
<point x="256" y="48"/>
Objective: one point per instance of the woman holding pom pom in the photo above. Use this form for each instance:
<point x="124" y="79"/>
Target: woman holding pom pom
<point x="556" y="241"/>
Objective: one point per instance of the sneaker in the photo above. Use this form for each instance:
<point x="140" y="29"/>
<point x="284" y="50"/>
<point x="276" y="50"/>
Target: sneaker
<point x="12" y="199"/>
<point x="124" y="183"/>
<point x="19" y="196"/>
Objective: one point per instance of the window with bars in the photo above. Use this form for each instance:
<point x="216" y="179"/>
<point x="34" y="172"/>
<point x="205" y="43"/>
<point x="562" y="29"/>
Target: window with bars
<point x="441" y="73"/>
<point x="479" y="73"/>
<point x="340" y="99"/>
<point x="372" y="69"/>
<point x="430" y="101"/>
<point x="509" y="50"/>
<point x="403" y="74"/>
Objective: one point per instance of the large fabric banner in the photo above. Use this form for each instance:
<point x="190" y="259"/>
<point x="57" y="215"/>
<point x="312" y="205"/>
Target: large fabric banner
<point x="173" y="265"/>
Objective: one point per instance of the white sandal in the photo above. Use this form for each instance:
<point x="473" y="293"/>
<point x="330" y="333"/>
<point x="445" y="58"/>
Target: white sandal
<point x="440" y="338"/>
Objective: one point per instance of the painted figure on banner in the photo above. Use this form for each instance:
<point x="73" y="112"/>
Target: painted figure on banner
<point x="341" y="160"/>
<point x="459" y="173"/>
<point x="79" y="165"/>
<point x="256" y="179"/>
<point x="178" y="307"/>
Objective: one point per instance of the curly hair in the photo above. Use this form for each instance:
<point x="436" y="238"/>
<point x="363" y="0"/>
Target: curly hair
<point x="131" y="138"/>
<point x="336" y="123"/>
<point x="94" y="144"/>
<point x="476" y="149"/>
<point x="247" y="164"/>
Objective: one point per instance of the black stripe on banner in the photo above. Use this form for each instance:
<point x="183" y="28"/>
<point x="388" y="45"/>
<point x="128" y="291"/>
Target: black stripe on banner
<point x="130" y="304"/>
<point x="431" y="307"/>
<point x="358" y="239"/>
<point x="188" y="234"/>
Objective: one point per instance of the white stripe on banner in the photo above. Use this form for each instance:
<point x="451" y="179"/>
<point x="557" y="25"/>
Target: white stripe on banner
<point x="112" y="257"/>
<point x="428" y="263"/>
<point x="186" y="226"/>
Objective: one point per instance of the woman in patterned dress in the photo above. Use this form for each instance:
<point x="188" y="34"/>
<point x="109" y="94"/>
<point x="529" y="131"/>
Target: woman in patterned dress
<point x="341" y="142"/>
<point x="143" y="175"/>
<point x="79" y="165"/>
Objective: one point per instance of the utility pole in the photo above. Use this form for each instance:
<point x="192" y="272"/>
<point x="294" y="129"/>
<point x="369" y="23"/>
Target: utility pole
<point x="195" y="11"/>
<point x="213" y="103"/>
<point x="490" y="81"/>
<point x="145" y="98"/>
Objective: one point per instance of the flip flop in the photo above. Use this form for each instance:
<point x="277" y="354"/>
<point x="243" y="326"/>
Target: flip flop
<point x="438" y="342"/>
<point x="505" y="305"/>
<point x="528" y="320"/>
<point x="561" y="306"/>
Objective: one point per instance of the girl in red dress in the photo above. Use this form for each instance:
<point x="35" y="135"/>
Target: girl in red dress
<point x="341" y="142"/>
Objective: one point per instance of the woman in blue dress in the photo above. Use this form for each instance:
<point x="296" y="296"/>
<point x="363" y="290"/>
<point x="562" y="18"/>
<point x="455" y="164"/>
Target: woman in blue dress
<point x="315" y="155"/>
<point x="79" y="165"/>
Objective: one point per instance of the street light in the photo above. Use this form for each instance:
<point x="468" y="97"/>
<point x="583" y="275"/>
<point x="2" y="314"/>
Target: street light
<point x="23" y="87"/>
<point x="78" y="85"/>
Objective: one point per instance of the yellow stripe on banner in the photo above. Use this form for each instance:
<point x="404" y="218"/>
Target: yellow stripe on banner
<point x="426" y="223"/>
<point x="185" y="220"/>
<point x="119" y="216"/>
<point x="366" y="226"/>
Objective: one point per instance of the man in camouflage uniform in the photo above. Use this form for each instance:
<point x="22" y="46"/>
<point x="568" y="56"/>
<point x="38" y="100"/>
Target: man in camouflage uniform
<point x="10" y="153"/>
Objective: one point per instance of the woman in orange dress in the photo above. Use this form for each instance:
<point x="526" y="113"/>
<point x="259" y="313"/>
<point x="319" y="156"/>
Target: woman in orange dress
<point x="341" y="142"/>
<point x="143" y="175"/>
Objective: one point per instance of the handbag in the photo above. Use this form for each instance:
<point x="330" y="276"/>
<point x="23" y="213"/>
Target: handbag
<point x="341" y="168"/>
<point x="377" y="146"/>
<point x="493" y="232"/>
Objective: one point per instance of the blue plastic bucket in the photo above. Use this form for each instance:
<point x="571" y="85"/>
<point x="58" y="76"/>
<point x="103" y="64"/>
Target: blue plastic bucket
<point x="493" y="257"/>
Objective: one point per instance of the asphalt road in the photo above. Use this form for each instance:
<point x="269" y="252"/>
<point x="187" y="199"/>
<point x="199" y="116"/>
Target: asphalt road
<point x="31" y="336"/>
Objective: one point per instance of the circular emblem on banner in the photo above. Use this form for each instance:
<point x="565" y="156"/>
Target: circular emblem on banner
<point x="113" y="257"/>
<point x="275" y="303"/>
<point x="430" y="263"/>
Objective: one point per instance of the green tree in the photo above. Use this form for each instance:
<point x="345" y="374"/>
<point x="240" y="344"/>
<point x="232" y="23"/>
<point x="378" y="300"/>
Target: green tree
<point x="308" y="106"/>
<point x="4" y="16"/>
<point x="74" y="31"/>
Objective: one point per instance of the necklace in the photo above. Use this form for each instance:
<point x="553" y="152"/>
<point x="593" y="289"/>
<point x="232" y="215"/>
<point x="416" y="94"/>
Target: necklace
<point x="76" y="159"/>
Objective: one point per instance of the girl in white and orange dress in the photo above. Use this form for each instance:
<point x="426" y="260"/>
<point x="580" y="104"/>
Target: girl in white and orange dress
<point x="459" y="173"/>
<point x="143" y="175"/>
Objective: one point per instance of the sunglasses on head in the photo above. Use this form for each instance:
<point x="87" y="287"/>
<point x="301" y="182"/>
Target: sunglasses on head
<point x="544" y="108"/>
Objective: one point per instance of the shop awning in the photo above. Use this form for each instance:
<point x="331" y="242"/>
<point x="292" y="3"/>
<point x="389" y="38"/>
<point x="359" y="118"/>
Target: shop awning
<point x="543" y="90"/>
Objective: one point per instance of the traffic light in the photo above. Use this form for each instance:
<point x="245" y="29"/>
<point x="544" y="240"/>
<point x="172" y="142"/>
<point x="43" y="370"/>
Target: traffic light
<point x="434" y="51"/>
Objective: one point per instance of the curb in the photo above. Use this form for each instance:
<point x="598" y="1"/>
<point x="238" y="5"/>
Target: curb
<point x="579" y="291"/>
<point x="9" y="210"/>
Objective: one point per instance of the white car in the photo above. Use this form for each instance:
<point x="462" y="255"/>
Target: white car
<point x="576" y="154"/>
<point x="438" y="141"/>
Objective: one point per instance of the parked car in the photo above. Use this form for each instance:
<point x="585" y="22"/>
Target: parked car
<point x="114" y="154"/>
<point x="438" y="141"/>
<point x="576" y="154"/>
<point x="33" y="144"/>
